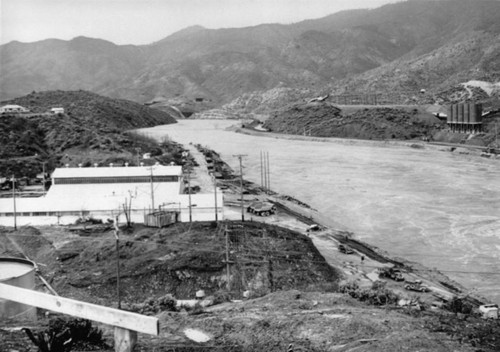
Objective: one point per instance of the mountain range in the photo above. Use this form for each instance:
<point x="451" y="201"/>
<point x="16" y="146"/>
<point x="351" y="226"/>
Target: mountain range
<point x="401" y="47"/>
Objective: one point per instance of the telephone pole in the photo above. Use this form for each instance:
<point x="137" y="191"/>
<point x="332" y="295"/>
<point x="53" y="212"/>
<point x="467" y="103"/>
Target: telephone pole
<point x="228" y="274"/>
<point x="116" y="232"/>
<point x="152" y="190"/>
<point x="215" y="195"/>
<point x="189" y="196"/>
<point x="268" y="173"/>
<point x="261" y="171"/>
<point x="240" y="157"/>
<point x="14" y="199"/>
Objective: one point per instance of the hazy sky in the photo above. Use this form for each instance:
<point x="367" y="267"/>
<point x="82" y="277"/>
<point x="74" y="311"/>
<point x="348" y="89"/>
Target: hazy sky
<point x="146" y="21"/>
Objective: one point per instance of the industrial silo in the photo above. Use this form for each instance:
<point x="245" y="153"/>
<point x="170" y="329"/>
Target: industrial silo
<point x="460" y="114"/>
<point x="467" y="113"/>
<point x="472" y="114"/>
<point x="449" y="117"/>
<point x="455" y="113"/>
<point x="21" y="273"/>
<point x="479" y="113"/>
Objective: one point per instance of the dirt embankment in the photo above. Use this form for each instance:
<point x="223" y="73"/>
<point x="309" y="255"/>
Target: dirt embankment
<point x="178" y="260"/>
<point x="322" y="119"/>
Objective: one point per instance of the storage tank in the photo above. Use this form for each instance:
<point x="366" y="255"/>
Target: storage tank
<point x="472" y="114"/>
<point x="460" y="115"/>
<point x="479" y="113"/>
<point x="21" y="273"/>
<point x="455" y="113"/>
<point x="449" y="117"/>
<point x="467" y="113"/>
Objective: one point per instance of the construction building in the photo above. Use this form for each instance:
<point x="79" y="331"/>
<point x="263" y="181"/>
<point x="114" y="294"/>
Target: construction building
<point x="106" y="192"/>
<point x="465" y="118"/>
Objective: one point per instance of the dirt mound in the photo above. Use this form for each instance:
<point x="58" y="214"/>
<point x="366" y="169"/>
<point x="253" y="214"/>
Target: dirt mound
<point x="184" y="258"/>
<point x="323" y="119"/>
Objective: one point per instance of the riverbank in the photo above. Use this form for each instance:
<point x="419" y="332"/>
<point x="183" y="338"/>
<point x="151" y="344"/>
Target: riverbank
<point x="366" y="261"/>
<point x="417" y="144"/>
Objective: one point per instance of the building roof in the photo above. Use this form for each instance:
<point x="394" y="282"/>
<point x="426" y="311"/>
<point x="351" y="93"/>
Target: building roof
<point x="117" y="171"/>
<point x="10" y="106"/>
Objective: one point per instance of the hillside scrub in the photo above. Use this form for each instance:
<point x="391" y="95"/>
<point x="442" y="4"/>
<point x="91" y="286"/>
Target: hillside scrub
<point x="322" y="119"/>
<point x="92" y="130"/>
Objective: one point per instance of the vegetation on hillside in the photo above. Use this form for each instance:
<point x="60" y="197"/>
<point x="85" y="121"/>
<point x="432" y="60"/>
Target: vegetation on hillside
<point x="323" y="119"/>
<point x="93" y="129"/>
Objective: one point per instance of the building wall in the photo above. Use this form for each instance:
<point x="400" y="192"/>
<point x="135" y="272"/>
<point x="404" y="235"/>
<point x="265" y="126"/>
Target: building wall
<point x="66" y="208"/>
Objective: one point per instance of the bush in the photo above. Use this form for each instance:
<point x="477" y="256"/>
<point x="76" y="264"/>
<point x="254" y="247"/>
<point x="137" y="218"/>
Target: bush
<point x="459" y="305"/>
<point x="376" y="295"/>
<point x="155" y="305"/>
<point x="63" y="335"/>
<point x="221" y="297"/>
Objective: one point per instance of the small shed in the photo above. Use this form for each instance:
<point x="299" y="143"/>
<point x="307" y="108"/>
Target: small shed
<point x="161" y="218"/>
<point x="56" y="111"/>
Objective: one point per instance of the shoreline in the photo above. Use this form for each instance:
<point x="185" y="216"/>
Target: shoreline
<point x="416" y="144"/>
<point x="332" y="233"/>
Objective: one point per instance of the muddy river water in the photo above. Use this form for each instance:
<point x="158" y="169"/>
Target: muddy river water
<point x="434" y="207"/>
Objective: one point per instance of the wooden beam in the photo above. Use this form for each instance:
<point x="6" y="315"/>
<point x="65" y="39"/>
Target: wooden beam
<point x="105" y="315"/>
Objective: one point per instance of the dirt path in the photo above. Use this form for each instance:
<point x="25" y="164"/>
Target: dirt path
<point x="199" y="175"/>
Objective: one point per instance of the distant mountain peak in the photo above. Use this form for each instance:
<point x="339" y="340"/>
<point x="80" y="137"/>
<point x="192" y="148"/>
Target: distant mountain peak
<point x="432" y="44"/>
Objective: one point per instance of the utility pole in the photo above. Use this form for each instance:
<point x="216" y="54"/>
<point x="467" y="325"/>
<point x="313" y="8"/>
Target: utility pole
<point x="228" y="277"/>
<point x="215" y="195"/>
<point x="264" y="170"/>
<point x="14" y="199"/>
<point x="152" y="190"/>
<point x="117" y="262"/>
<point x="240" y="156"/>
<point x="189" y="196"/>
<point x="268" y="173"/>
<point x="261" y="171"/>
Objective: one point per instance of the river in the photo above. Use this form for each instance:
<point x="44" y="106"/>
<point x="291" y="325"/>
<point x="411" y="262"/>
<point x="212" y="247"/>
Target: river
<point x="434" y="207"/>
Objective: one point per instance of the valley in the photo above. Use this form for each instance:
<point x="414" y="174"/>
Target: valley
<point x="326" y="185"/>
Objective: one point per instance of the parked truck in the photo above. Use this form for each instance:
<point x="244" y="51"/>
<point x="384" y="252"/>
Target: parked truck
<point x="262" y="208"/>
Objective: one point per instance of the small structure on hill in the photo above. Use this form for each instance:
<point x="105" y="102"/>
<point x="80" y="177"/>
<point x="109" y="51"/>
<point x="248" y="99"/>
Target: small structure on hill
<point x="56" y="111"/>
<point x="12" y="109"/>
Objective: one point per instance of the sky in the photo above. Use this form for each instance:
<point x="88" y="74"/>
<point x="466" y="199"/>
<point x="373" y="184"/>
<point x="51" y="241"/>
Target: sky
<point x="146" y="21"/>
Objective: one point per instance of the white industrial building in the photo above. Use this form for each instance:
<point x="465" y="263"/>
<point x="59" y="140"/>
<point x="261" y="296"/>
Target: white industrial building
<point x="101" y="192"/>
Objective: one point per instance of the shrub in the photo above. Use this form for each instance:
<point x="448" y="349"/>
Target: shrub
<point x="376" y="295"/>
<point x="155" y="305"/>
<point x="221" y="297"/>
<point x="64" y="334"/>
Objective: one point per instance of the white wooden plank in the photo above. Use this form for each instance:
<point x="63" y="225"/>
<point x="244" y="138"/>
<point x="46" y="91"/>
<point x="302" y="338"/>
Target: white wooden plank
<point x="106" y="315"/>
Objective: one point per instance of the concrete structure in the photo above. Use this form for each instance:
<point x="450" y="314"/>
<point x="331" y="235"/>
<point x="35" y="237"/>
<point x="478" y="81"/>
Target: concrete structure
<point x="12" y="109"/>
<point x="102" y="192"/>
<point x="465" y="118"/>
<point x="21" y="273"/>
<point x="57" y="110"/>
